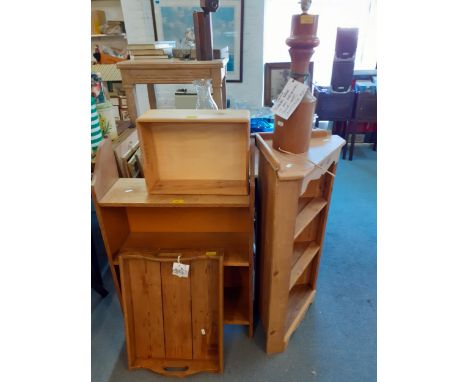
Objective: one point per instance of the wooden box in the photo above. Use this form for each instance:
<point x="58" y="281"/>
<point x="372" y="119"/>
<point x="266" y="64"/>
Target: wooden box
<point x="195" y="151"/>
<point x="173" y="325"/>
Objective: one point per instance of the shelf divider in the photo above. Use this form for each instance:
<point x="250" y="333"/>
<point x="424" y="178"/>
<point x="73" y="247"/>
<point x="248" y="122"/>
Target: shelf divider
<point x="310" y="211"/>
<point x="303" y="262"/>
<point x="300" y="298"/>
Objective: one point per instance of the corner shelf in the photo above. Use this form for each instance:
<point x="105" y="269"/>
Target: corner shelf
<point x="294" y="200"/>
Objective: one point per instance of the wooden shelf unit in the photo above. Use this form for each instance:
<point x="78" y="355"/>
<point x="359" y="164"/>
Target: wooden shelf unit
<point x="294" y="200"/>
<point x="132" y="219"/>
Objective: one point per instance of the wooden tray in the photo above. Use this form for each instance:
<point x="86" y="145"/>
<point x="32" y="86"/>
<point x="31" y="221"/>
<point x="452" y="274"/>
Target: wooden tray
<point x="173" y="325"/>
<point x="195" y="151"/>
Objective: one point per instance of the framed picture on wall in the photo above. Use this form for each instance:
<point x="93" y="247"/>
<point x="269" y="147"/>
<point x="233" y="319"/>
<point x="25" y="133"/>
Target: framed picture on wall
<point x="275" y="77"/>
<point x="173" y="17"/>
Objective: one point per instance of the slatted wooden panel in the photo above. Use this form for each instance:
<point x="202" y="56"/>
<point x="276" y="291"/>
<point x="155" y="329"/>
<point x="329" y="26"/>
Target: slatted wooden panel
<point x="146" y="300"/>
<point x="177" y="314"/>
<point x="173" y="325"/>
<point x="205" y="312"/>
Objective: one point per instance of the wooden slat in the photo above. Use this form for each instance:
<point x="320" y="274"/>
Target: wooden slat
<point x="302" y="263"/>
<point x="182" y="115"/>
<point x="105" y="170"/>
<point x="234" y="244"/>
<point x="300" y="297"/>
<point x="200" y="187"/>
<point x="151" y="96"/>
<point x="309" y="212"/>
<point x="130" y="192"/>
<point x="177" y="314"/>
<point x="205" y="288"/>
<point x="141" y="289"/>
<point x="188" y="219"/>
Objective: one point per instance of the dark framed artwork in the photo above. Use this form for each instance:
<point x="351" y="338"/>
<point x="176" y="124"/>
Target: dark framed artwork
<point x="172" y="18"/>
<point x="275" y="77"/>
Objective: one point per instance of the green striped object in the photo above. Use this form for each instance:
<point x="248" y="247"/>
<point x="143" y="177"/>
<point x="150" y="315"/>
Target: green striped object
<point x="96" y="133"/>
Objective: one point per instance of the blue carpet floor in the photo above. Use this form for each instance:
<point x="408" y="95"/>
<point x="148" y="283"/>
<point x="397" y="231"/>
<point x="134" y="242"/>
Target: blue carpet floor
<point x="336" y="342"/>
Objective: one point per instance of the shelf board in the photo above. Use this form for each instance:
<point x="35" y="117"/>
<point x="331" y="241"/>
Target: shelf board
<point x="131" y="192"/>
<point x="302" y="263"/>
<point x="236" y="309"/>
<point x="234" y="244"/>
<point x="108" y="35"/>
<point x="300" y="297"/>
<point x="309" y="213"/>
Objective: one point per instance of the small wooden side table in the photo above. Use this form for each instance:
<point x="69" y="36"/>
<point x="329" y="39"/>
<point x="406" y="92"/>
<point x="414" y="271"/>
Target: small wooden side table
<point x="171" y="71"/>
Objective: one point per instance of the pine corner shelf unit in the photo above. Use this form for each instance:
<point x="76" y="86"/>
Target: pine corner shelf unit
<point x="131" y="219"/>
<point x="294" y="200"/>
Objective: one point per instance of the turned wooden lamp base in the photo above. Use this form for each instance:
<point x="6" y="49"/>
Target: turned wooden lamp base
<point x="293" y="135"/>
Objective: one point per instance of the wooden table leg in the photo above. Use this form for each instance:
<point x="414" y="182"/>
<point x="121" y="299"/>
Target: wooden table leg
<point x="131" y="101"/>
<point x="224" y="93"/>
<point x="353" y="140"/>
<point x="217" y="84"/>
<point x="152" y="96"/>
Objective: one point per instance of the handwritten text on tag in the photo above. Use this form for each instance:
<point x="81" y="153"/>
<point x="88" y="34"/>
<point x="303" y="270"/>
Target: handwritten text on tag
<point x="180" y="270"/>
<point x="289" y="98"/>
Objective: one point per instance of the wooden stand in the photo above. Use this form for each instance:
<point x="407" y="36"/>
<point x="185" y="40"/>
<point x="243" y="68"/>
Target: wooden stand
<point x="130" y="218"/>
<point x="295" y="196"/>
<point x="170" y="71"/>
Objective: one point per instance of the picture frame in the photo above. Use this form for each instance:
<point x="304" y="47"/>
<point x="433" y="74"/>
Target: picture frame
<point x="276" y="75"/>
<point x="227" y="24"/>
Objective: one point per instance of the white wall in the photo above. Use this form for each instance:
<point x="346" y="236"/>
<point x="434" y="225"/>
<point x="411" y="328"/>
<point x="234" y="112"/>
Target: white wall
<point x="112" y="9"/>
<point x="250" y="90"/>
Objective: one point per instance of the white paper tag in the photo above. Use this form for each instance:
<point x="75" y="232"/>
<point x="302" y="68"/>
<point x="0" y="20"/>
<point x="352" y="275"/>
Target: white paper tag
<point x="180" y="270"/>
<point x="289" y="98"/>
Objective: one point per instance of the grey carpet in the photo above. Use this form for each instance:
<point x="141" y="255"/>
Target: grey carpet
<point x="336" y="342"/>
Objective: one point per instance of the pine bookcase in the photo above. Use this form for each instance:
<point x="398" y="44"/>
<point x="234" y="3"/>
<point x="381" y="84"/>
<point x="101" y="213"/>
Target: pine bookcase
<point x="130" y="218"/>
<point x="294" y="200"/>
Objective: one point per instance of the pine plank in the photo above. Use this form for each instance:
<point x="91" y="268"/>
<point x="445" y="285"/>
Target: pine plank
<point x="309" y="213"/>
<point x="205" y="286"/>
<point x="177" y="314"/>
<point x="303" y="261"/>
<point x="300" y="297"/>
<point x="234" y="244"/>
<point x="131" y="192"/>
<point x="141" y="289"/>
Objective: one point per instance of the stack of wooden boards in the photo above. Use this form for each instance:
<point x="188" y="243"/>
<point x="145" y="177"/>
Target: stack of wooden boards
<point x="146" y="52"/>
<point x="196" y="206"/>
